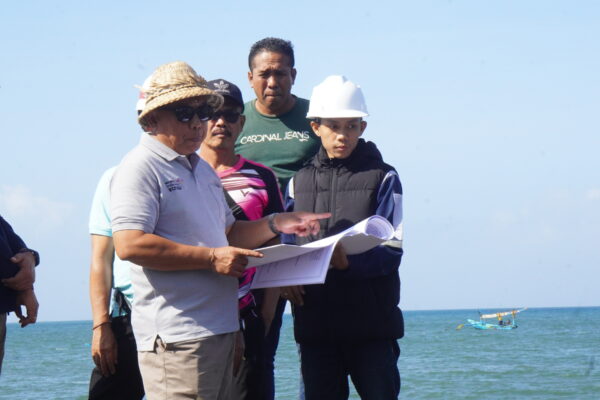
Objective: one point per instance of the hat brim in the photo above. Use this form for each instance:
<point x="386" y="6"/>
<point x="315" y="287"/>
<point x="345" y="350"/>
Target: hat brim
<point x="215" y="100"/>
<point x="235" y="100"/>
<point x="338" y="114"/>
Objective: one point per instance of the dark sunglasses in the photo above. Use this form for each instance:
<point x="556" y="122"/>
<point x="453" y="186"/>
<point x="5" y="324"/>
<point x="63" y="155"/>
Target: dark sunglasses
<point x="229" y="116"/>
<point x="186" y="113"/>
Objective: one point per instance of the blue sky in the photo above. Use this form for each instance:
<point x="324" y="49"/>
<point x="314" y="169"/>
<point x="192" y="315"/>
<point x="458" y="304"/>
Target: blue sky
<point x="488" y="110"/>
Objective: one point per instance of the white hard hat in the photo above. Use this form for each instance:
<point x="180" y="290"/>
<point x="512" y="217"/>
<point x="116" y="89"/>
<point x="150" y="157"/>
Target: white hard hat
<point x="337" y="97"/>
<point x="141" y="103"/>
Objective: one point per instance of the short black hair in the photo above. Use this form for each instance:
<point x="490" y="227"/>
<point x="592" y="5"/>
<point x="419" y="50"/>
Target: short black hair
<point x="274" y="45"/>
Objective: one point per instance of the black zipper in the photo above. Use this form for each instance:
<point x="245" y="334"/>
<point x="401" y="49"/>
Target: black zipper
<point x="333" y="191"/>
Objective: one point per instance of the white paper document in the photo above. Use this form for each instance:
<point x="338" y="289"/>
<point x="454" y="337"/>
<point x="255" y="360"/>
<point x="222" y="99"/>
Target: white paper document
<point x="288" y="265"/>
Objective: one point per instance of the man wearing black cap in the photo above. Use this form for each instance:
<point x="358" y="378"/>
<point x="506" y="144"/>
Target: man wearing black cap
<point x="252" y="192"/>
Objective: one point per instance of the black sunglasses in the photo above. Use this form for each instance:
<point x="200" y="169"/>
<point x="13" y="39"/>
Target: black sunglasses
<point x="186" y="113"/>
<point x="229" y="116"/>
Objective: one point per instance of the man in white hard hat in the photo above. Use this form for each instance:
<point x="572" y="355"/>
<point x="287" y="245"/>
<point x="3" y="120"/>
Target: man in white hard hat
<point x="116" y="374"/>
<point x="350" y="324"/>
<point x="170" y="218"/>
<point x="276" y="133"/>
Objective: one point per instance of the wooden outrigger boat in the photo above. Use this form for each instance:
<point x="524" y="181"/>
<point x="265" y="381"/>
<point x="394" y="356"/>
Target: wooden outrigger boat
<point x="503" y="323"/>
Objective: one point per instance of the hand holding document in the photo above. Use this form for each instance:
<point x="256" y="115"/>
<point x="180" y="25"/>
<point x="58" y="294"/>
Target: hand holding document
<point x="288" y="265"/>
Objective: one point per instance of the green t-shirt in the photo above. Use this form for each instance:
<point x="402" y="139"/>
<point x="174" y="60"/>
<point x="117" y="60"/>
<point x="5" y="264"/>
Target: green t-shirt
<point x="282" y="143"/>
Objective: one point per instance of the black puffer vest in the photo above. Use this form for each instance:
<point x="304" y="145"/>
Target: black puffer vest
<point x="345" y="308"/>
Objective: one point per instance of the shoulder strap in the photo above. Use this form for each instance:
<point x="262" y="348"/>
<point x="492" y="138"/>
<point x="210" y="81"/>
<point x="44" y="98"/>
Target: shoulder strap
<point x="237" y="211"/>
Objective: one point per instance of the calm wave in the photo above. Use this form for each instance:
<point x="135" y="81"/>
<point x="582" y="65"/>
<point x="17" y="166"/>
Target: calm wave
<point x="554" y="354"/>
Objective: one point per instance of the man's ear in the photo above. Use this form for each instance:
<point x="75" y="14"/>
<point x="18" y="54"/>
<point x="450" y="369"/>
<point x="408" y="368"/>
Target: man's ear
<point x="293" y="73"/>
<point x="250" y="79"/>
<point x="242" y="121"/>
<point x="363" y="126"/>
<point x="315" y="128"/>
<point x="150" y="122"/>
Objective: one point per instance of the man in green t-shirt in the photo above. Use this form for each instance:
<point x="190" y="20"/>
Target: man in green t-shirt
<point x="277" y="133"/>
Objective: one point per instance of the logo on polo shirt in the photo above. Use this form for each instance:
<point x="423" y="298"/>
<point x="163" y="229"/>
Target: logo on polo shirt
<point x="174" y="184"/>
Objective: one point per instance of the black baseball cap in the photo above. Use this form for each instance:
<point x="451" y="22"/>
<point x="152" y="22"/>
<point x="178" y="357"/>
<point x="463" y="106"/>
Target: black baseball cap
<point x="228" y="89"/>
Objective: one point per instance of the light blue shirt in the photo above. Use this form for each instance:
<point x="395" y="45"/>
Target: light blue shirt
<point x="100" y="225"/>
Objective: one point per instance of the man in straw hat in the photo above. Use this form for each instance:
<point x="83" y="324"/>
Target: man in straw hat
<point x="169" y="216"/>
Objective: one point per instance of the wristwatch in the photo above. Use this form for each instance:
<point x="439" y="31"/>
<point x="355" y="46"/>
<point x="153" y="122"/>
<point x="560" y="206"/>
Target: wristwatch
<point x="36" y="255"/>
<point x="271" y="222"/>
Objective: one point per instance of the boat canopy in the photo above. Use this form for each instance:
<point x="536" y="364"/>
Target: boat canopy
<point x="502" y="314"/>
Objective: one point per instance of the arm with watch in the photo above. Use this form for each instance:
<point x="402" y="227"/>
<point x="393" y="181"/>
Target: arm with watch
<point x="156" y="252"/>
<point x="252" y="234"/>
<point x="26" y="259"/>
<point x="23" y="257"/>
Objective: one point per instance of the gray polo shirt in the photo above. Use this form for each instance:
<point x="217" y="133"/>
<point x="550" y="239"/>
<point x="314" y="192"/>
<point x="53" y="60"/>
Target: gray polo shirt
<point x="159" y="191"/>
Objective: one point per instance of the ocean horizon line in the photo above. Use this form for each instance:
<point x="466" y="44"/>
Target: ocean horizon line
<point x="403" y="310"/>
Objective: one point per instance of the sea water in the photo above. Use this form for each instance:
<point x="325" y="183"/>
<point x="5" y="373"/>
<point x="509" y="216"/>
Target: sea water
<point x="554" y="354"/>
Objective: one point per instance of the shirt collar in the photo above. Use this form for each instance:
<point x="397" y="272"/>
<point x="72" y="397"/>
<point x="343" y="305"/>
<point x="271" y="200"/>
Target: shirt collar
<point x="159" y="148"/>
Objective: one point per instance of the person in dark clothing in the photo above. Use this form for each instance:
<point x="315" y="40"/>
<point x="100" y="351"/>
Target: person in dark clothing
<point x="17" y="274"/>
<point x="348" y="326"/>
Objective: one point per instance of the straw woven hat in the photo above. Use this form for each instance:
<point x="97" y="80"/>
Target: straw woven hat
<point x="174" y="82"/>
